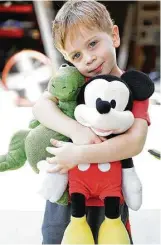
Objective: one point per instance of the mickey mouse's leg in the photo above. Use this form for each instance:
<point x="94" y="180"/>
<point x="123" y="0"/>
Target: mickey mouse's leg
<point x="78" y="230"/>
<point x="112" y="230"/>
<point x="131" y="185"/>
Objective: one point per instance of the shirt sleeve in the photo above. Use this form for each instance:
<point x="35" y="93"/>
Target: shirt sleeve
<point x="140" y="110"/>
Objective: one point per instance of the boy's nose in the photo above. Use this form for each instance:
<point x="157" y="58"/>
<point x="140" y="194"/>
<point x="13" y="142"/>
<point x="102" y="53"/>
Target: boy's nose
<point x="102" y="106"/>
<point x="90" y="59"/>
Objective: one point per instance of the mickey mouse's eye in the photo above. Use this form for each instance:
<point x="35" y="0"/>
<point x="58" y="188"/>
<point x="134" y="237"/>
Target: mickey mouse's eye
<point x="113" y="103"/>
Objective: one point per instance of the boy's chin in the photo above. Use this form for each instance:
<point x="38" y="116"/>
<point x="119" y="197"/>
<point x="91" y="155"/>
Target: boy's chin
<point x="93" y="74"/>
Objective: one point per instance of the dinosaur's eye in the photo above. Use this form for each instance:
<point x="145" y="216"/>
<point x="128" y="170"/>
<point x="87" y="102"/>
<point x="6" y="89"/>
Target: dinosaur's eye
<point x="53" y="86"/>
<point x="63" y="87"/>
<point x="113" y="103"/>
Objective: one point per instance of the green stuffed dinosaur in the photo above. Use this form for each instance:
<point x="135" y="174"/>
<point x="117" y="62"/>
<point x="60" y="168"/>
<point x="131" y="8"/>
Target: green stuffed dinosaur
<point x="31" y="144"/>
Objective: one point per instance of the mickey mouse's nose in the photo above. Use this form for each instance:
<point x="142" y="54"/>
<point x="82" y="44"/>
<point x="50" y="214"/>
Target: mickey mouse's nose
<point x="102" y="106"/>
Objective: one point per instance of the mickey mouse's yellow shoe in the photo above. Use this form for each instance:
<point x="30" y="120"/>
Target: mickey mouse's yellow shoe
<point x="78" y="232"/>
<point x="113" y="231"/>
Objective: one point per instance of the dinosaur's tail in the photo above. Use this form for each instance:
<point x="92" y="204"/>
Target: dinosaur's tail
<point x="16" y="157"/>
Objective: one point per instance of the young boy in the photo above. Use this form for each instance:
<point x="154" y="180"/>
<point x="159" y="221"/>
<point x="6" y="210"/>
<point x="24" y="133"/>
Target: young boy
<point x="85" y="34"/>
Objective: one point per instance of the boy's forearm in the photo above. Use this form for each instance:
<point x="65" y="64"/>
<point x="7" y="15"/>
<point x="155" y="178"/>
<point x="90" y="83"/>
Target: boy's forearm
<point x="118" y="148"/>
<point x="47" y="113"/>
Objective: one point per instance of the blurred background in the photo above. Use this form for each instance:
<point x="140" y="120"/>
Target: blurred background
<point x="27" y="61"/>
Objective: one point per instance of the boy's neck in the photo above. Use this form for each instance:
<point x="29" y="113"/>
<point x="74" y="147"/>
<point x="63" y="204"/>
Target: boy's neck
<point x="116" y="71"/>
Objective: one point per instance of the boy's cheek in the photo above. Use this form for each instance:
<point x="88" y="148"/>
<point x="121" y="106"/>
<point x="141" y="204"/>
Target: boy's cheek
<point x="78" y="67"/>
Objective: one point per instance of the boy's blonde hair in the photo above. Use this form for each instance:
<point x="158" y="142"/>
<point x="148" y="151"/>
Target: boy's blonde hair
<point x="73" y="14"/>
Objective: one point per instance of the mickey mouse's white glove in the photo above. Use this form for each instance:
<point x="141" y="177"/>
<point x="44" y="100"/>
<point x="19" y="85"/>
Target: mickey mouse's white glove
<point x="53" y="184"/>
<point x="132" y="188"/>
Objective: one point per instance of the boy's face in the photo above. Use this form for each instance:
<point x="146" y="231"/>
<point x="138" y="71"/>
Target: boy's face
<point x="92" y="52"/>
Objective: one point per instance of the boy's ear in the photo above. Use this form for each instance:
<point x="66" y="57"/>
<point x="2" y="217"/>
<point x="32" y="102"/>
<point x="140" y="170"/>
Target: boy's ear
<point x="139" y="83"/>
<point x="116" y="36"/>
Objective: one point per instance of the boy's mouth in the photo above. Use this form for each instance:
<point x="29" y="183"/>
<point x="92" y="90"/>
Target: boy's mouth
<point x="98" y="69"/>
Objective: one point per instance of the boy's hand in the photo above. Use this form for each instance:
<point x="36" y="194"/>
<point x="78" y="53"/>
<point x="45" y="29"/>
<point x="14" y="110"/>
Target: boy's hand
<point x="66" y="156"/>
<point x="84" y="136"/>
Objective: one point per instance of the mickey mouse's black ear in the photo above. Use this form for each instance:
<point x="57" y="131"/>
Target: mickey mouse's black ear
<point x="139" y="83"/>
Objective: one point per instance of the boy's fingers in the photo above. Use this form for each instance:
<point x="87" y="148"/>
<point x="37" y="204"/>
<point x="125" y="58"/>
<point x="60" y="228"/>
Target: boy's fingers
<point x="55" y="169"/>
<point x="58" y="143"/>
<point x="52" y="150"/>
<point x="63" y="171"/>
<point x="102" y="138"/>
<point x="97" y="140"/>
<point x="51" y="160"/>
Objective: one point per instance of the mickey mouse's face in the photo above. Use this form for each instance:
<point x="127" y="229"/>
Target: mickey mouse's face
<point x="105" y="101"/>
<point x="106" y="95"/>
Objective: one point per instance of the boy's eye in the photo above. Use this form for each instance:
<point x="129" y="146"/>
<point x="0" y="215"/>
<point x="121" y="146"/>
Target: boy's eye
<point x="92" y="44"/>
<point x="76" y="56"/>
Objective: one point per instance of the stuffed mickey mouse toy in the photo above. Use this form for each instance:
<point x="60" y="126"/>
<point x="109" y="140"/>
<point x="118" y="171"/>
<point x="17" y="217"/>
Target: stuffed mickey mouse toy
<point x="105" y="105"/>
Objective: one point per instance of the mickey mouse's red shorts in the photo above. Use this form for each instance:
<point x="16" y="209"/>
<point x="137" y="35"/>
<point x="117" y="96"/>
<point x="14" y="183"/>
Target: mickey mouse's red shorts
<point x="96" y="183"/>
